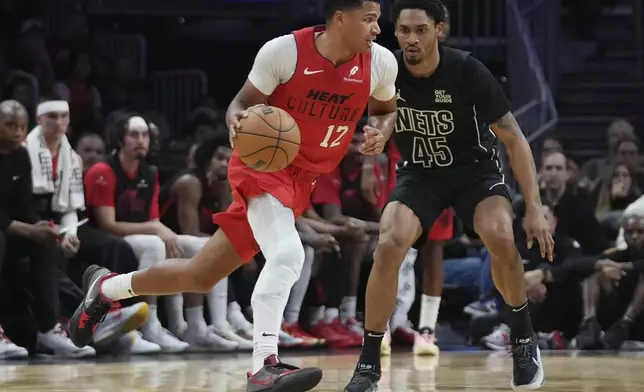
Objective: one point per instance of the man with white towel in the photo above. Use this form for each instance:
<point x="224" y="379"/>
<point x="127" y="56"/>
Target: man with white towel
<point x="57" y="179"/>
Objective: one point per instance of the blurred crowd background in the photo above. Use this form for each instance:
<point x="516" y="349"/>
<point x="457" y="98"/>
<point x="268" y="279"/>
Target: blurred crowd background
<point x="573" y="70"/>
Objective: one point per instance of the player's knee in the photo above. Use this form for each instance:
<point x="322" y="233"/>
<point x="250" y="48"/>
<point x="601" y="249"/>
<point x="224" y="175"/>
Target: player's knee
<point x="391" y="250"/>
<point x="281" y="271"/>
<point x="201" y="282"/>
<point x="498" y="237"/>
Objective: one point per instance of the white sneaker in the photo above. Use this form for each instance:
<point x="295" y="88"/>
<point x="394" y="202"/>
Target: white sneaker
<point x="119" y="322"/>
<point x="354" y="326"/>
<point x="162" y="337"/>
<point x="141" y="346"/>
<point x="9" y="349"/>
<point x="57" y="342"/>
<point x="499" y="339"/>
<point x="238" y="321"/>
<point x="425" y="344"/>
<point x="226" y="331"/>
<point x="285" y="340"/>
<point x="206" y="340"/>
<point x="385" y="344"/>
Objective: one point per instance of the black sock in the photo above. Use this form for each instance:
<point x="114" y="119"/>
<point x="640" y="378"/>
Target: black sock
<point x="520" y="323"/>
<point x="370" y="355"/>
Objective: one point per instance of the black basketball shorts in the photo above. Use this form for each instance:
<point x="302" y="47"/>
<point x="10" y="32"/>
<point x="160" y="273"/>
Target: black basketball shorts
<point x="429" y="192"/>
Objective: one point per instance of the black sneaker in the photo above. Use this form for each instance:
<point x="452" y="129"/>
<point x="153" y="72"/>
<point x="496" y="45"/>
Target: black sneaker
<point x="92" y="310"/>
<point x="276" y="376"/>
<point x="527" y="371"/>
<point x="616" y="335"/>
<point x="364" y="379"/>
<point x="589" y="334"/>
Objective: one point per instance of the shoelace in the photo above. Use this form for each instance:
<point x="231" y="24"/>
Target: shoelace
<point x="364" y="375"/>
<point x="522" y="354"/>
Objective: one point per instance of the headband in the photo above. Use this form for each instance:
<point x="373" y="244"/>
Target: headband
<point x="52" y="106"/>
<point x="137" y="122"/>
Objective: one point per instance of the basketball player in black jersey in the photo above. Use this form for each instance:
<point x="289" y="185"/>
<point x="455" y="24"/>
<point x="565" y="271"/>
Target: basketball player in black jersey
<point x="450" y="111"/>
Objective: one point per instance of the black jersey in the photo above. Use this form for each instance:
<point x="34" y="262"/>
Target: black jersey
<point x="208" y="205"/>
<point x="443" y="120"/>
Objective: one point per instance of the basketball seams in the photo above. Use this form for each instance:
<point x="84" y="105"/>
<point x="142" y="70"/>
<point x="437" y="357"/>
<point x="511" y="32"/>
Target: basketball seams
<point x="272" y="127"/>
<point x="265" y="136"/>
<point x="267" y="166"/>
<point x="277" y="143"/>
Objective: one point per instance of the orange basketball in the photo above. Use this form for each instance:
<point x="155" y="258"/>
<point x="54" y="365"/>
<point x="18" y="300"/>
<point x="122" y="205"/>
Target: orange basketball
<point x="268" y="140"/>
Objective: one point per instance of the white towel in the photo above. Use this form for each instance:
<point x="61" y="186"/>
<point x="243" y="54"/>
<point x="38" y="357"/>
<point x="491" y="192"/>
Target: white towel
<point x="68" y="190"/>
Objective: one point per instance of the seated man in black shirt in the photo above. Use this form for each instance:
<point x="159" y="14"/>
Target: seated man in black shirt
<point x="614" y="298"/>
<point x="188" y="202"/>
<point x="26" y="236"/>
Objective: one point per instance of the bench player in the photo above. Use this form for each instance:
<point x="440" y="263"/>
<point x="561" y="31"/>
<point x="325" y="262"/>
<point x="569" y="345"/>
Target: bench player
<point x="444" y="95"/>
<point x="324" y="78"/>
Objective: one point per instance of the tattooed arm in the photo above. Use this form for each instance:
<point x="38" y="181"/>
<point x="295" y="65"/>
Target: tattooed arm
<point x="521" y="160"/>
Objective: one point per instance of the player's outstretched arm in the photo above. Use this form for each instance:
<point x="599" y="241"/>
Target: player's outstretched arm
<point x="522" y="162"/>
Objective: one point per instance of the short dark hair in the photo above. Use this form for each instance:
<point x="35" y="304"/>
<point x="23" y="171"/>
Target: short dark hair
<point x="435" y="9"/>
<point x="206" y="149"/>
<point x="333" y="6"/>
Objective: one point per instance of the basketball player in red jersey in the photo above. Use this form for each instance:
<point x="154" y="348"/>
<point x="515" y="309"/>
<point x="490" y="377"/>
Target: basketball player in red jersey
<point x="324" y="78"/>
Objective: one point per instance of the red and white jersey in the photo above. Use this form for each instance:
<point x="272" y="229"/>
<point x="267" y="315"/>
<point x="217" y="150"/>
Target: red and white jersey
<point x="325" y="100"/>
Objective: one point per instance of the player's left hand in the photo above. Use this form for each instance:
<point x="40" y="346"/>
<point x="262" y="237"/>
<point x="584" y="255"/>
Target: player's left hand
<point x="374" y="141"/>
<point x="537" y="228"/>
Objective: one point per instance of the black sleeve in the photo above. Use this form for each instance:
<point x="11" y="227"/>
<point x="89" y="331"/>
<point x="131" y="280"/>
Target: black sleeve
<point x="5" y="221"/>
<point x="578" y="269"/>
<point x="485" y="91"/>
<point x="26" y="210"/>
<point x="585" y="228"/>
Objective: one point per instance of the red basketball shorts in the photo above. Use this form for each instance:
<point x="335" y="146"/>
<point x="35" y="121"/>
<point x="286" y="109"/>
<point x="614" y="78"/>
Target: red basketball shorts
<point x="443" y="228"/>
<point x="292" y="186"/>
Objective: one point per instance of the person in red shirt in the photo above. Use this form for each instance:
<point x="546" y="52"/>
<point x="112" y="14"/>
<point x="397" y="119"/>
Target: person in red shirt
<point x="338" y="199"/>
<point x="324" y="77"/>
<point x="123" y="199"/>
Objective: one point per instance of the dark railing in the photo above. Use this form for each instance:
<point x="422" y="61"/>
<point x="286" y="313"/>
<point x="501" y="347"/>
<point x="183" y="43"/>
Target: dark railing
<point x="529" y="89"/>
<point x="638" y="13"/>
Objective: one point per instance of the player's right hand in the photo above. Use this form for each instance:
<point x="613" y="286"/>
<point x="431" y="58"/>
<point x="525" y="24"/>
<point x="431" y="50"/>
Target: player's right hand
<point x="43" y="232"/>
<point x="234" y="123"/>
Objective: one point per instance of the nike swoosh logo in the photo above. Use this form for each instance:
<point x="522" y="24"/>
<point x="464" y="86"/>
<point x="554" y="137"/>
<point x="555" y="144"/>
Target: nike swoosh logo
<point x="88" y="297"/>
<point x="307" y="72"/>
<point x="373" y="335"/>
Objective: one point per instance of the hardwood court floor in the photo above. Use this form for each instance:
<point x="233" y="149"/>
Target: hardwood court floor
<point x="453" y="371"/>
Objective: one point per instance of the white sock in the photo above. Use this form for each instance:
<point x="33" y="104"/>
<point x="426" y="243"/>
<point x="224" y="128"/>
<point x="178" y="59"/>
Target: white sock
<point x="217" y="299"/>
<point x="298" y="292"/>
<point x="153" y="320"/>
<point x="331" y="314"/>
<point x="195" y="318"/>
<point x="237" y="319"/>
<point x="316" y="314"/>
<point x="174" y="310"/>
<point x="429" y="307"/>
<point x="348" y="309"/>
<point x="118" y="287"/>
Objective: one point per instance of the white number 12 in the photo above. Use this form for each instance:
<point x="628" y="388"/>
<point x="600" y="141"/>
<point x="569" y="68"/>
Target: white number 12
<point x="342" y="130"/>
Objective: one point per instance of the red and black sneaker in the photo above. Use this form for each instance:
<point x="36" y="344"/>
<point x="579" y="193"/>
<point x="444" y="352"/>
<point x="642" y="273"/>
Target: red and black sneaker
<point x="92" y="310"/>
<point x="276" y="376"/>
